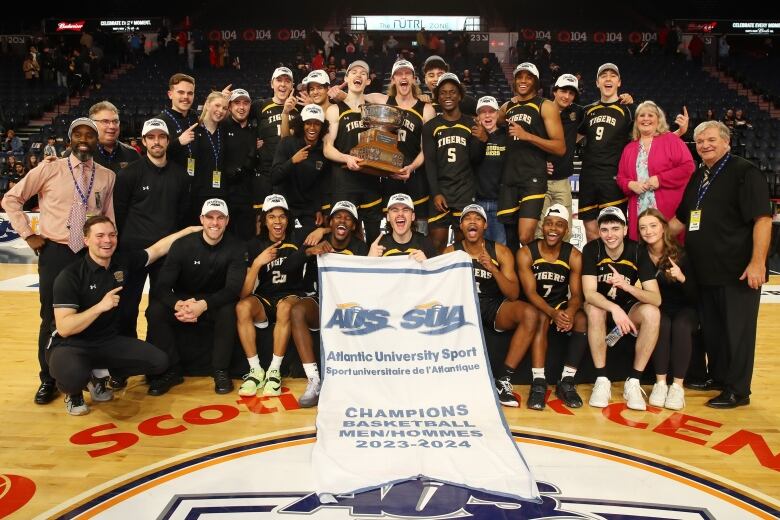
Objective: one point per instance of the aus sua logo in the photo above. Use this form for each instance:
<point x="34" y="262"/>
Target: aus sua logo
<point x="433" y="318"/>
<point x="430" y="318"/>
<point x="354" y="320"/>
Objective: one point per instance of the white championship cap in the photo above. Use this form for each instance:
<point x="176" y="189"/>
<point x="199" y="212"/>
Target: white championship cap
<point x="154" y="124"/>
<point x="557" y="210"/>
<point x="473" y="208"/>
<point x="312" y="111"/>
<point x="317" y="76"/>
<point x="447" y="76"/>
<point x="436" y="60"/>
<point x="402" y="64"/>
<point x="81" y="121"/>
<point x="359" y="63"/>
<point x="275" y="201"/>
<point x="608" y="66"/>
<point x="528" y="67"/>
<point x="567" y="81"/>
<point x="612" y="211"/>
<point x="400" y="198"/>
<point x="214" y="205"/>
<point x="282" y="71"/>
<point x="487" y="101"/>
<point x="239" y="93"/>
<point x="344" y="205"/>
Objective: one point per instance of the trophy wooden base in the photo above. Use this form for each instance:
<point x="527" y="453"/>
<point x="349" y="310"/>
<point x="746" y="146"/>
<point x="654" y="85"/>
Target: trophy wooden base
<point x="379" y="151"/>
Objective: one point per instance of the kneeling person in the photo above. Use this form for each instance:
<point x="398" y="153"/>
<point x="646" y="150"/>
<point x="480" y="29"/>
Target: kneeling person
<point x="277" y="270"/>
<point x="86" y="300"/>
<point x="402" y="239"/>
<point x="198" y="284"/>
<point x="498" y="290"/>
<point x="305" y="314"/>
<point x="611" y="266"/>
<point x="551" y="275"/>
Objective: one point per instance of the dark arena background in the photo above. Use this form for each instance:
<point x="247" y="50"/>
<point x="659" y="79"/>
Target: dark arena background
<point x="195" y="454"/>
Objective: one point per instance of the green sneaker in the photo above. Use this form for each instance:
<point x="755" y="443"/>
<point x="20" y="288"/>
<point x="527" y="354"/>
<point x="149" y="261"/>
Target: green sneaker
<point x="273" y="383"/>
<point x="253" y="381"/>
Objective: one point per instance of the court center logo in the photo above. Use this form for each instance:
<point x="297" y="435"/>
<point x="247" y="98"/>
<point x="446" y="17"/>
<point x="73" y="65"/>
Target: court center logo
<point x="216" y="483"/>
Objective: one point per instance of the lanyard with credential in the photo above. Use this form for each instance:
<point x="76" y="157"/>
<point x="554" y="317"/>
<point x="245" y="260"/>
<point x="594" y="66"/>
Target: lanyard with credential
<point x="178" y="128"/>
<point x="84" y="198"/>
<point x="215" y="149"/>
<point x="704" y="188"/>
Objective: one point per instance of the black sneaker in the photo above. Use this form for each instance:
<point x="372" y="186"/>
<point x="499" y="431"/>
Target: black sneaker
<point x="222" y="382"/>
<point x="538" y="392"/>
<point x="505" y="394"/>
<point x="161" y="384"/>
<point x="567" y="392"/>
<point x="117" y="382"/>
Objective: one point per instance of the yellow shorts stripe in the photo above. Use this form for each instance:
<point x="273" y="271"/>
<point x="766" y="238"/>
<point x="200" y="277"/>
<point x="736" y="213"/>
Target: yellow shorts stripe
<point x="370" y="204"/>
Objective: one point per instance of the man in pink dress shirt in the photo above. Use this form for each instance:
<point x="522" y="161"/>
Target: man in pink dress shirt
<point x="69" y="191"/>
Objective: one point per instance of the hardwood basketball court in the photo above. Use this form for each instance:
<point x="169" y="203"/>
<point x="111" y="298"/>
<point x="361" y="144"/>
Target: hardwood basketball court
<point x="56" y="465"/>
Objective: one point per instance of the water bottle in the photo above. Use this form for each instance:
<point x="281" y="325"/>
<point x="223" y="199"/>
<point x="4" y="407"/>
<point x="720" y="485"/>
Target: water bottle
<point x="614" y="336"/>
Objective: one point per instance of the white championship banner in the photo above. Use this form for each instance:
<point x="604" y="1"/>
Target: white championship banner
<point x="407" y="389"/>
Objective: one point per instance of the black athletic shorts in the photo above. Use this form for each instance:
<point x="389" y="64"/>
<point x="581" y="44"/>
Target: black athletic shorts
<point x="599" y="193"/>
<point x="488" y="310"/>
<point x="269" y="304"/>
<point x="416" y="187"/>
<point x="449" y="218"/>
<point x="522" y="200"/>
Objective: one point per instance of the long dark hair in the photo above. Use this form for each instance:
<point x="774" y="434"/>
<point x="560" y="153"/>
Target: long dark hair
<point x="671" y="247"/>
<point x="262" y="231"/>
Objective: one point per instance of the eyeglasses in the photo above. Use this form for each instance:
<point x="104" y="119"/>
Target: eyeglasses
<point x="106" y="122"/>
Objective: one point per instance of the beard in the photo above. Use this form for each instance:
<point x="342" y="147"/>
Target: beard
<point x="82" y="156"/>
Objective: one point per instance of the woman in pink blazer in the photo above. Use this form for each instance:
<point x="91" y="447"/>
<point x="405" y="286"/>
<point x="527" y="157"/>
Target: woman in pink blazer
<point x="655" y="167"/>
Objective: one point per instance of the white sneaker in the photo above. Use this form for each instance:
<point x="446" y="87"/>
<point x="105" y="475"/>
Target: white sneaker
<point x="253" y="381"/>
<point x="602" y="393"/>
<point x="658" y="395"/>
<point x="634" y="395"/>
<point x="311" y="396"/>
<point x="75" y="405"/>
<point x="675" y="399"/>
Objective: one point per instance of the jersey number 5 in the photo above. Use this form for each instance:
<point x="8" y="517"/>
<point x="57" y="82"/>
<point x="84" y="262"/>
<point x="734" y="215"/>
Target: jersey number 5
<point x="451" y="155"/>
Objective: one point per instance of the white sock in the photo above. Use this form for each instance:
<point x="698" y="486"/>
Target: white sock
<point x="311" y="371"/>
<point x="254" y="362"/>
<point x="100" y="373"/>
<point x="537" y="373"/>
<point x="568" y="372"/>
<point x="276" y="362"/>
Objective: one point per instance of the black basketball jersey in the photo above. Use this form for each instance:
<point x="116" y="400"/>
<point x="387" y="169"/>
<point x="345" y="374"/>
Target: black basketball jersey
<point x="449" y="153"/>
<point x="356" y="247"/>
<point x="418" y="241"/>
<point x="269" y="128"/>
<point x="284" y="274"/>
<point x="633" y="264"/>
<point x="552" y="278"/>
<point x="410" y="132"/>
<point x="487" y="287"/>
<point x="523" y="158"/>
<point x="350" y="126"/>
<point x="608" y="129"/>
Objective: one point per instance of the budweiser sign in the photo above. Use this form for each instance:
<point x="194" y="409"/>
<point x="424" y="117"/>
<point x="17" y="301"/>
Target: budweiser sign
<point x="70" y="26"/>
